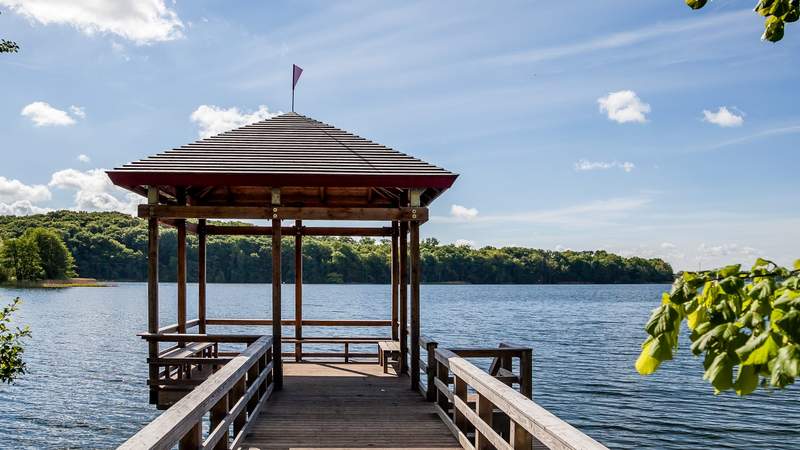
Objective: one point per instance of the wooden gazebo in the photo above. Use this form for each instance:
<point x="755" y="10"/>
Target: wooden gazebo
<point x="290" y="167"/>
<point x="294" y="168"/>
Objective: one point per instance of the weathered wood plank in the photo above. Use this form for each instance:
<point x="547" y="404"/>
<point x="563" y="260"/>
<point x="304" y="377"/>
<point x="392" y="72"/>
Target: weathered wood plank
<point x="290" y="213"/>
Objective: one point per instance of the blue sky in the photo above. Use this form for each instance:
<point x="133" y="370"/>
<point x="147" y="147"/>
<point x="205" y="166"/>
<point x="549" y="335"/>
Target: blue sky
<point x="643" y="128"/>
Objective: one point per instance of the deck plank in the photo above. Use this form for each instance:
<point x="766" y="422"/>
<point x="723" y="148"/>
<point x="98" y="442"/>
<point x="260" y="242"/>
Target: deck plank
<point x="347" y="406"/>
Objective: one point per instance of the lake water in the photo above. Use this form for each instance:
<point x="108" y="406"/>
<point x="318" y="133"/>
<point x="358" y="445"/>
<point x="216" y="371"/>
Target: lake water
<point x="86" y="386"/>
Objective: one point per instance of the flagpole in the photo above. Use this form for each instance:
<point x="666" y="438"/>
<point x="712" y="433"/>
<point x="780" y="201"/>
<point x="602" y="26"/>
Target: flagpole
<point x="292" y="99"/>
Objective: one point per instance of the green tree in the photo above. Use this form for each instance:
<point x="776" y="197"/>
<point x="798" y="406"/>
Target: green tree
<point x="777" y="14"/>
<point x="742" y="321"/>
<point x="21" y="256"/>
<point x="11" y="349"/>
<point x="8" y="46"/>
<point x="56" y="260"/>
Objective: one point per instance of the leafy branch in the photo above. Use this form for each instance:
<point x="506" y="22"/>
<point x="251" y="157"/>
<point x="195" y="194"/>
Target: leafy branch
<point x="777" y="13"/>
<point x="11" y="363"/>
<point x="8" y="46"/>
<point x="743" y="320"/>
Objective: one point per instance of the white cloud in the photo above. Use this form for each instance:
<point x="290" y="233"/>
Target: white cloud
<point x="78" y="111"/>
<point x="84" y="158"/>
<point x="584" y="164"/>
<point x="464" y="243"/>
<point x="624" y="106"/>
<point x="708" y="251"/>
<point x="668" y="246"/>
<point x="42" y="114"/>
<point x="724" y="117"/>
<point x="140" y="21"/>
<point x="214" y="120"/>
<point x="15" y="190"/>
<point x="21" y="208"/>
<point x="463" y="213"/>
<point x="95" y="192"/>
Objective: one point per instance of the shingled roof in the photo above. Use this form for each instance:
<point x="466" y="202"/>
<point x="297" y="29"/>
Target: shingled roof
<point x="286" y="150"/>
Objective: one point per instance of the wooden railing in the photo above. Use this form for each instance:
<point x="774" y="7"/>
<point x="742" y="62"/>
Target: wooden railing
<point x="496" y="415"/>
<point x="300" y="350"/>
<point x="231" y="397"/>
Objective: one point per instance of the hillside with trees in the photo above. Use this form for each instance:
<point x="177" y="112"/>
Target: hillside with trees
<point x="112" y="246"/>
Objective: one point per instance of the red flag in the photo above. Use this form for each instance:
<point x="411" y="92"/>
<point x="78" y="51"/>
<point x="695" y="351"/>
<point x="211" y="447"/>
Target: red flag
<point x="296" y="71"/>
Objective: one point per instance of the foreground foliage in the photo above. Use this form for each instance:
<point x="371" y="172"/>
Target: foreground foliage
<point x="11" y="363"/>
<point x="777" y="13"/>
<point x="113" y="246"/>
<point x="743" y="320"/>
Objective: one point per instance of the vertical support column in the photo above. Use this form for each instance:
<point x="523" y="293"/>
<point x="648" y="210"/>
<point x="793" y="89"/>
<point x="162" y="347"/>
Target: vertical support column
<point x="201" y="275"/>
<point x="298" y="290"/>
<point x="403" y="247"/>
<point x="276" y="290"/>
<point x="395" y="282"/>
<point x="152" y="290"/>
<point x="180" y="224"/>
<point x="415" y="280"/>
<point x="485" y="412"/>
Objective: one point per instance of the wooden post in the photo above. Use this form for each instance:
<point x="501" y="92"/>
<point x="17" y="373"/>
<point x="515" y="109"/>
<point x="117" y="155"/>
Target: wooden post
<point x="201" y="275"/>
<point x="526" y="373"/>
<point x="395" y="282"/>
<point x="485" y="412"/>
<point x="460" y="391"/>
<point x="430" y="393"/>
<point x="152" y="290"/>
<point x="218" y="414"/>
<point x="180" y="224"/>
<point x="415" y="280"/>
<point x="298" y="291"/>
<point x="193" y="440"/>
<point x="276" y="290"/>
<point x="403" y="297"/>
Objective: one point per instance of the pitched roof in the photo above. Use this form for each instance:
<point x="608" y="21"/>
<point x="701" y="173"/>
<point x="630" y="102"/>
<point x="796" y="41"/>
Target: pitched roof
<point x="287" y="150"/>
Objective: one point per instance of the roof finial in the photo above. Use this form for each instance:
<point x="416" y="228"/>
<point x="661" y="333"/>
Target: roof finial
<point x="296" y="71"/>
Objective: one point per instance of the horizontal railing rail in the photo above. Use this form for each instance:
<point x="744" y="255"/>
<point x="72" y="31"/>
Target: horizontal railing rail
<point x="304" y="322"/>
<point x="232" y="397"/>
<point x="525" y="422"/>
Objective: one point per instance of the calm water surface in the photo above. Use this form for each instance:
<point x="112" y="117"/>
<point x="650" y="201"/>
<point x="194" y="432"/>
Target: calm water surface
<point x="86" y="386"/>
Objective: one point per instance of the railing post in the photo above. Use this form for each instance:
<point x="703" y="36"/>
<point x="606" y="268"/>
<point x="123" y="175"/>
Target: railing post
<point x="526" y="373"/>
<point x="459" y="391"/>
<point x="193" y="440"/>
<point x="485" y="410"/>
<point x="237" y="392"/>
<point x="430" y="371"/>
<point x="442" y="373"/>
<point x="520" y="438"/>
<point x="218" y="414"/>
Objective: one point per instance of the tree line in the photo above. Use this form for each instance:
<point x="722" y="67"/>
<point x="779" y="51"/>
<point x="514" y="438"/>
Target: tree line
<point x="113" y="246"/>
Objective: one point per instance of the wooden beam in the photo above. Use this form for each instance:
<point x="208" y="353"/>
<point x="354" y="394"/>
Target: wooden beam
<point x="289" y="213"/>
<point x="245" y="230"/>
<point x="276" y="303"/>
<point x="395" y="282"/>
<point x="415" y="281"/>
<point x="403" y="247"/>
<point x="191" y="228"/>
<point x="298" y="291"/>
<point x="201" y="275"/>
<point x="180" y="194"/>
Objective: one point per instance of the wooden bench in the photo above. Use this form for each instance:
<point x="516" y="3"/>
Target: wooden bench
<point x="385" y="351"/>
<point x="180" y="357"/>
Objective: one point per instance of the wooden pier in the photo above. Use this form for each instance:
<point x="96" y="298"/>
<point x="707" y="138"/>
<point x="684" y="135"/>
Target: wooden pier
<point x="264" y="390"/>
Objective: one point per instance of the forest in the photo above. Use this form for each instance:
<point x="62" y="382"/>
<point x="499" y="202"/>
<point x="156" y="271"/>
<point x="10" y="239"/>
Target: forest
<point x="113" y="246"/>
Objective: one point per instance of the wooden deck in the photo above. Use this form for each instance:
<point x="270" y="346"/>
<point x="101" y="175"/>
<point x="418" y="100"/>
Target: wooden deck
<point x="347" y="406"/>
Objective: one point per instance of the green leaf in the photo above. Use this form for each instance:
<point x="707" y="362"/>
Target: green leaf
<point x="797" y="265"/>
<point x="773" y="29"/>
<point x="663" y="320"/>
<point x="731" y="270"/>
<point x="746" y="380"/>
<point x="646" y="363"/>
<point x="758" y="350"/>
<point x="789" y="324"/>
<point x="720" y="373"/>
<point x="786" y="366"/>
<point x="696" y="4"/>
